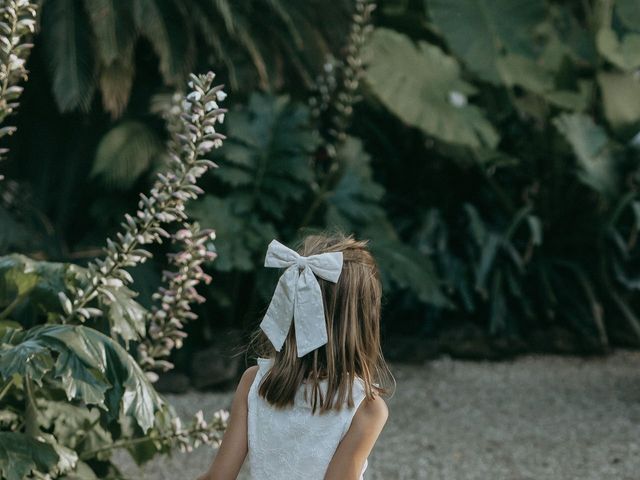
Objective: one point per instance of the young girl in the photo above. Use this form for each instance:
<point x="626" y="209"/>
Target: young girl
<point x="311" y="409"/>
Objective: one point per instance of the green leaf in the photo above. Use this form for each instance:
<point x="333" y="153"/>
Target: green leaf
<point x="67" y="41"/>
<point x="20" y="455"/>
<point x="498" y="305"/>
<point x="488" y="253"/>
<point x="124" y="153"/>
<point x="8" y="328"/>
<point x="565" y="37"/>
<point x="422" y="86"/>
<point x="406" y="267"/>
<point x="477" y="228"/>
<point x="75" y="340"/>
<point x="15" y="285"/>
<point x="479" y="31"/>
<point x="162" y="23"/>
<point x="116" y="80"/>
<point x="67" y="458"/>
<point x="572" y="100"/>
<point x="39" y="281"/>
<point x="621" y="98"/>
<point x="589" y="143"/>
<point x="241" y="237"/>
<point x="81" y="472"/>
<point x="126" y="316"/>
<point x="355" y="197"/>
<point x="623" y="53"/>
<point x="79" y="426"/>
<point x="629" y="13"/>
<point x="530" y="75"/>
<point x="130" y="392"/>
<point x="112" y="25"/>
<point x="42" y="282"/>
<point x="28" y="358"/>
<point x="113" y="28"/>
<point x="90" y="364"/>
<point x="79" y="381"/>
<point x="268" y="152"/>
<point x="434" y="239"/>
<point x="525" y="72"/>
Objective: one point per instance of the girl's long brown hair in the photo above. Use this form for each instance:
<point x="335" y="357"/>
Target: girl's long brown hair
<point x="352" y="314"/>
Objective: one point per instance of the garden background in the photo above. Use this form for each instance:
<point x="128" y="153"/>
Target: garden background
<point x="490" y="151"/>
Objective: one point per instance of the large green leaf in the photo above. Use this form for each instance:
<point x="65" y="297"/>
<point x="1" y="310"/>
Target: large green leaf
<point x="590" y="146"/>
<point x="124" y="153"/>
<point x="355" y="197"/>
<point x="422" y="86"/>
<point x="266" y="163"/>
<point x="20" y="455"/>
<point x="480" y="31"/>
<point x="91" y="367"/>
<point x="130" y="392"/>
<point x="80" y="370"/>
<point x="621" y="98"/>
<point x="67" y="41"/>
<point x="268" y="152"/>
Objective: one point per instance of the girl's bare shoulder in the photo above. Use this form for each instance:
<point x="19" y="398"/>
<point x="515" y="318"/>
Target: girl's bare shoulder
<point x="372" y="414"/>
<point x="247" y="379"/>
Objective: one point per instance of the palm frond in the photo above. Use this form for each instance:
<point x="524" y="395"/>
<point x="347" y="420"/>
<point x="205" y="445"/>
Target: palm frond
<point x="68" y="42"/>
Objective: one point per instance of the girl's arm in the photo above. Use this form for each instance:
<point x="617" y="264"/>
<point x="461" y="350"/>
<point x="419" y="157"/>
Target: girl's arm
<point x="233" y="448"/>
<point x="359" y="440"/>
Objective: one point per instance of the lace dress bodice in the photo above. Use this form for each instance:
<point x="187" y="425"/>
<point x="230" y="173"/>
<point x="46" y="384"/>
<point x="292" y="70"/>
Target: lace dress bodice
<point x="293" y="443"/>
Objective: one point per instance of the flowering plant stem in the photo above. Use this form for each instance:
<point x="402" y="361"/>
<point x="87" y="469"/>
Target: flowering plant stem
<point x="165" y="204"/>
<point x="344" y="97"/>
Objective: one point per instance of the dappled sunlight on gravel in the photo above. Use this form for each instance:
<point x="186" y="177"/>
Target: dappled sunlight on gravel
<point x="544" y="417"/>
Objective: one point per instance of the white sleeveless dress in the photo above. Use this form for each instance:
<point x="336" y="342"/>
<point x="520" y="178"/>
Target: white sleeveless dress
<point x="294" y="444"/>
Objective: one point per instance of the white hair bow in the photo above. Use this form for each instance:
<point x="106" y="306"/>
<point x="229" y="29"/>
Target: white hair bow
<point x="298" y="297"/>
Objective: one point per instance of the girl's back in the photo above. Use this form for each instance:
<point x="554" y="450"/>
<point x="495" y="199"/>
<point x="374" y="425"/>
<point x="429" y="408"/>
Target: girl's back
<point x="313" y="410"/>
<point x="294" y="443"/>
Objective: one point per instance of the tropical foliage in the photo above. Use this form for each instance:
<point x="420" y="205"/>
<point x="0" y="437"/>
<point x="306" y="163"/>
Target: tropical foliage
<point x="533" y="107"/>
<point x="91" y="44"/>
<point x="488" y="149"/>
<point x="512" y="199"/>
<point x="71" y="391"/>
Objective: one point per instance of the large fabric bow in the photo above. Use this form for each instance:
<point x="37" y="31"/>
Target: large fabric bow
<point x="298" y="297"/>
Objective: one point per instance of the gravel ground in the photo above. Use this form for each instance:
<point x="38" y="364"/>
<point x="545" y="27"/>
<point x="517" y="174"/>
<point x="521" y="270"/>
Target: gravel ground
<point x="538" y="417"/>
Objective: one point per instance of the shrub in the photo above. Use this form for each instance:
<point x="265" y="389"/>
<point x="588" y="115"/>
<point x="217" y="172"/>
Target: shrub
<point x="71" y="390"/>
